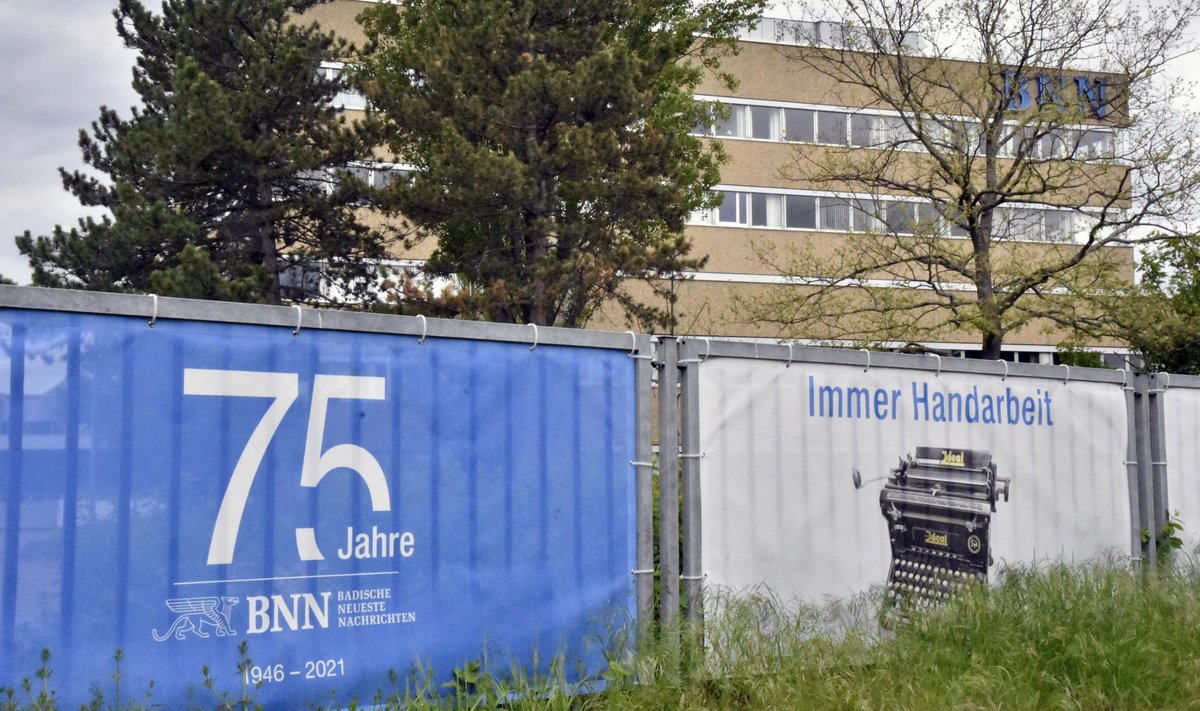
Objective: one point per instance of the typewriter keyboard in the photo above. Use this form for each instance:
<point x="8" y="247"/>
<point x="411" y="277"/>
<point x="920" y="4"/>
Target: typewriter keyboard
<point x="923" y="579"/>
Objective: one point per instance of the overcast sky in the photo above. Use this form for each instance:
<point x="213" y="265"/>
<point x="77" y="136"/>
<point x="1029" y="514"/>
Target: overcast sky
<point x="64" y="62"/>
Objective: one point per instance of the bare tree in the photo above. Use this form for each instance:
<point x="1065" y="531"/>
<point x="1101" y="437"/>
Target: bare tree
<point x="1013" y="144"/>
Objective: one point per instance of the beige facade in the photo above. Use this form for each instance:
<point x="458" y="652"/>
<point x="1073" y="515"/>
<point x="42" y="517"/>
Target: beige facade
<point x="772" y="169"/>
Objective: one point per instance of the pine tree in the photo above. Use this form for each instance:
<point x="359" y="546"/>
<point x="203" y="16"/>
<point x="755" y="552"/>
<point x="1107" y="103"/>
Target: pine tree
<point x="550" y="137"/>
<point x="227" y="176"/>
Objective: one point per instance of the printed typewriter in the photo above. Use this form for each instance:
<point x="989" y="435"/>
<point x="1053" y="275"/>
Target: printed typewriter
<point x="938" y="505"/>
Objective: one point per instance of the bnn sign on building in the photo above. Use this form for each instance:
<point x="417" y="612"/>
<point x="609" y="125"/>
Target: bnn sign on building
<point x="345" y="503"/>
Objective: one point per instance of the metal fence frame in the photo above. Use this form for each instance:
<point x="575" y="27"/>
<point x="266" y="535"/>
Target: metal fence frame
<point x="671" y="366"/>
<point x="639" y="347"/>
<point x="1144" y="469"/>
<point x="1153" y="388"/>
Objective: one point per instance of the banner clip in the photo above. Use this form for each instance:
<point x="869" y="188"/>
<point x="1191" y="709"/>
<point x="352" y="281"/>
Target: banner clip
<point x="535" y="336"/>
<point x="693" y="577"/>
<point x="154" y="313"/>
<point x="634" y="463"/>
<point x="939" y="364"/>
<point x="424" y="329"/>
<point x="1005" y="376"/>
<point x="1068" y="378"/>
<point x="864" y="350"/>
<point x="633" y="352"/>
<point x="699" y="455"/>
<point x="647" y="571"/>
<point x="789" y="360"/>
<point x="299" y="319"/>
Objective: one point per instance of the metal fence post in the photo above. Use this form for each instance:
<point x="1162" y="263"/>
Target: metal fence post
<point x="1145" y="474"/>
<point x="644" y="466"/>
<point x="691" y="456"/>
<point x="1131" y="466"/>
<point x="1158" y="452"/>
<point x="668" y="479"/>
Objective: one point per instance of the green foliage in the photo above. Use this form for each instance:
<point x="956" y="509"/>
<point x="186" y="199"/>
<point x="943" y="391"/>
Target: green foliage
<point x="196" y="277"/>
<point x="1075" y="356"/>
<point x="245" y="700"/>
<point x="1161" y="321"/>
<point x="1063" y="637"/>
<point x="229" y="154"/>
<point x="551" y="142"/>
<point x="1087" y="637"/>
<point x="1168" y="540"/>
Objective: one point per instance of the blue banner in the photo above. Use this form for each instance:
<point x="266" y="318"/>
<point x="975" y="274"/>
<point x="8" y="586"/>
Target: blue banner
<point x="346" y="504"/>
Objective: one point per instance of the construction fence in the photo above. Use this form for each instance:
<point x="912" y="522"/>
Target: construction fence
<point x="352" y="493"/>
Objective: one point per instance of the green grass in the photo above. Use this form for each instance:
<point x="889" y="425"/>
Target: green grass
<point x="1058" y="638"/>
<point x="1065" y="638"/>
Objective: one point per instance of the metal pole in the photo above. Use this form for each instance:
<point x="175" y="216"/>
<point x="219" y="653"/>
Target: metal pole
<point x="644" y="467"/>
<point x="668" y="480"/>
<point x="1131" y="467"/>
<point x="689" y="407"/>
<point x="1158" y="450"/>
<point x="1145" y="474"/>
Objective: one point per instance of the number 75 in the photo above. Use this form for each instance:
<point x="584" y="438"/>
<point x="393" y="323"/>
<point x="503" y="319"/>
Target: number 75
<point x="283" y="389"/>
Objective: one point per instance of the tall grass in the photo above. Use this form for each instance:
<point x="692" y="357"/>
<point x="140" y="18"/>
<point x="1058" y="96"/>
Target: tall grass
<point x="1083" y="637"/>
<point x="1086" y="637"/>
<point x="1059" y="637"/>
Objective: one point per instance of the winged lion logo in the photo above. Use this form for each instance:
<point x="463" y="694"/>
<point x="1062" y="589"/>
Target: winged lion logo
<point x="193" y="613"/>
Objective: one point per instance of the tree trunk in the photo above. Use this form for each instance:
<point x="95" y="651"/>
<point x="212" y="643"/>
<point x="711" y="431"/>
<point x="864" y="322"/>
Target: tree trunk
<point x="992" y="346"/>
<point x="268" y="251"/>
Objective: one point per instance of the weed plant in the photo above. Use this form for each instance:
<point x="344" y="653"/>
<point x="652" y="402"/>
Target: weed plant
<point x="1083" y="637"/>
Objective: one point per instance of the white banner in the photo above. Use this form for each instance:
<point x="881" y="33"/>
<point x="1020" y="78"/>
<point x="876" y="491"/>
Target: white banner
<point x="1181" y="412"/>
<point x="781" y="443"/>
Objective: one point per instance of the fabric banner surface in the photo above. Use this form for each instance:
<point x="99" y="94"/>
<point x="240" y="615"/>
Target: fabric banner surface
<point x="1181" y="412"/>
<point x="782" y="444"/>
<point x="345" y="503"/>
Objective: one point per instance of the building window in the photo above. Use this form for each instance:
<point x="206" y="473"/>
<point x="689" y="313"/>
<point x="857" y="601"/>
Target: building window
<point x="732" y="210"/>
<point x="901" y="217"/>
<point x="1095" y="144"/>
<point x="798" y="125"/>
<point x="1058" y="225"/>
<point x="862" y="130"/>
<point x="801" y="212"/>
<point x="927" y="218"/>
<point x="731" y="125"/>
<point x="348" y="99"/>
<point x="877" y="130"/>
<point x="831" y="128"/>
<point x="378" y="175"/>
<point x="766" y="210"/>
<point x="885" y="215"/>
<point x="835" y="214"/>
<point x="764" y="122"/>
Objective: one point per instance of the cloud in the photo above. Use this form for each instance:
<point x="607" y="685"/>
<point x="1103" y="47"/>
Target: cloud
<point x="63" y="60"/>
